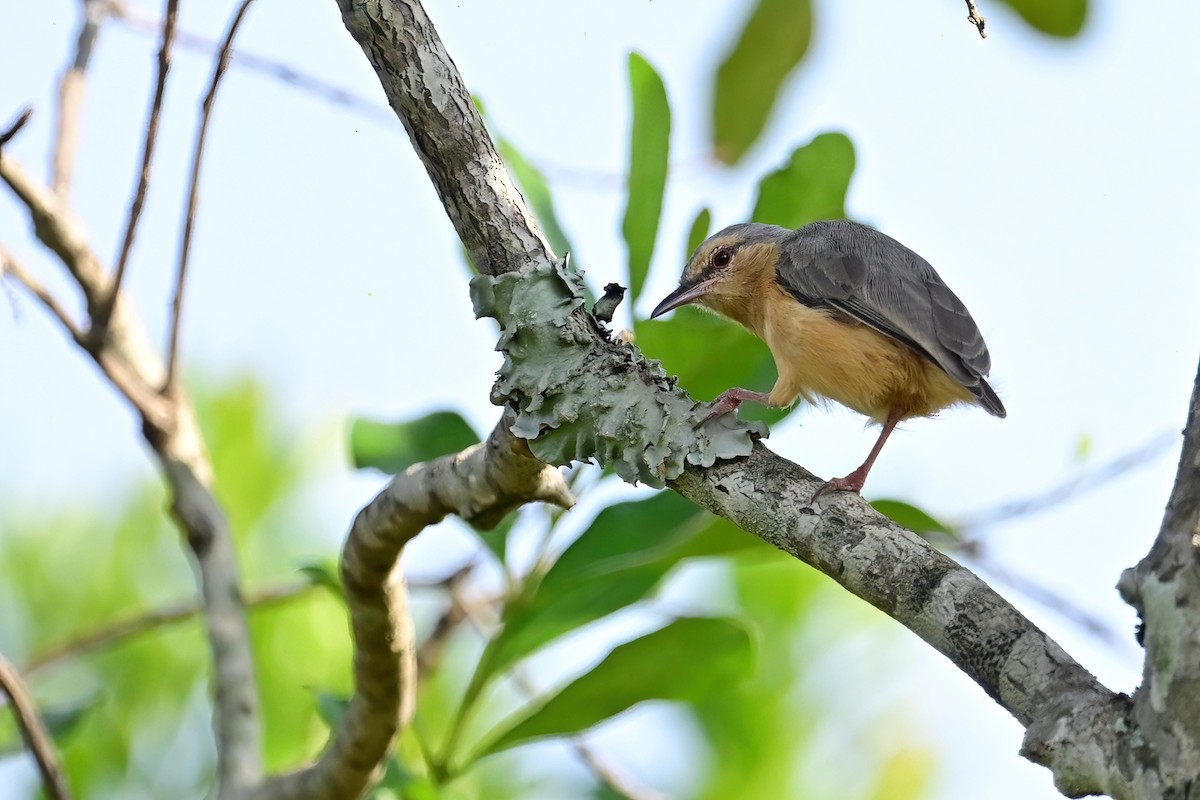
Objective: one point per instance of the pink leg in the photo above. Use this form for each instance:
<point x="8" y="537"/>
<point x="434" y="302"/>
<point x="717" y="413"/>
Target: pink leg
<point x="855" y="480"/>
<point x="729" y="400"/>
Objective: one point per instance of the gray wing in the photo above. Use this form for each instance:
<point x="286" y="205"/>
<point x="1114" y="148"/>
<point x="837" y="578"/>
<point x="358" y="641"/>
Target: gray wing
<point x="880" y="282"/>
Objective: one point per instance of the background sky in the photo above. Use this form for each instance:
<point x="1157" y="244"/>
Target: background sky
<point x="1053" y="185"/>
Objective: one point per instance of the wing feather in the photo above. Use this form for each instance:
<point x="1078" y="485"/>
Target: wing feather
<point x="881" y="283"/>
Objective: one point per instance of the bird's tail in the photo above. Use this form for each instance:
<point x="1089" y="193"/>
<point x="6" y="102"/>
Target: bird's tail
<point x="990" y="400"/>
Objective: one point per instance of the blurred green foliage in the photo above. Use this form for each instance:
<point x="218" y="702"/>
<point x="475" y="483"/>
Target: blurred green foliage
<point x="133" y="716"/>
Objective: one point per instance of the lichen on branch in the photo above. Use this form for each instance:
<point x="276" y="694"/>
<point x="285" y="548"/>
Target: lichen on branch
<point x="579" y="396"/>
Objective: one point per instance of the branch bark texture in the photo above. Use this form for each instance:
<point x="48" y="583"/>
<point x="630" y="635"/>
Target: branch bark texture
<point x="481" y="485"/>
<point x="1074" y="726"/>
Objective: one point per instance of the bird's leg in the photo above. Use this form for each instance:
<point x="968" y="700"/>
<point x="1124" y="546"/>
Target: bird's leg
<point x="855" y="480"/>
<point x="730" y="399"/>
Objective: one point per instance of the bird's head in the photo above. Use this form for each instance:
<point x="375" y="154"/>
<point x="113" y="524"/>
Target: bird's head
<point x="725" y="272"/>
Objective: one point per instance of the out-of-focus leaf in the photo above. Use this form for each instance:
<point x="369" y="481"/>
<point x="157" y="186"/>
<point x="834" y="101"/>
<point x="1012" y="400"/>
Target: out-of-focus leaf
<point x="698" y="232"/>
<point x="710" y="355"/>
<point x="619" y="560"/>
<point x="649" y="149"/>
<point x="1062" y="18"/>
<point x="323" y="574"/>
<point x="330" y="707"/>
<point x="909" y="516"/>
<point x="531" y="627"/>
<point x="61" y="721"/>
<point x="812" y="184"/>
<point x="906" y="775"/>
<point x="394" y="447"/>
<point x="496" y="540"/>
<point x="770" y="46"/>
<point x="254" y="463"/>
<point x="622" y="536"/>
<point x="533" y="186"/>
<point x="686" y="660"/>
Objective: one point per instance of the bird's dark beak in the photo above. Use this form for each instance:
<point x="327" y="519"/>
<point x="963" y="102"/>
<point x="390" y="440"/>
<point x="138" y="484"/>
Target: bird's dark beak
<point x="682" y="296"/>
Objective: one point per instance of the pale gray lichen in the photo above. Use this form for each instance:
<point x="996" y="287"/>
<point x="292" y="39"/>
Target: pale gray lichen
<point x="579" y="397"/>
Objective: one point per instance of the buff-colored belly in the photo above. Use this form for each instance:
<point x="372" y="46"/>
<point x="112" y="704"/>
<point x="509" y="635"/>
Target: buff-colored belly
<point x="819" y="355"/>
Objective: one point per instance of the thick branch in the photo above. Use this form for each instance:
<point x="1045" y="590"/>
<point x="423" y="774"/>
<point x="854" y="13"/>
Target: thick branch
<point x="1072" y="720"/>
<point x="429" y="96"/>
<point x="481" y="485"/>
<point x="1165" y="589"/>
<point x="33" y="732"/>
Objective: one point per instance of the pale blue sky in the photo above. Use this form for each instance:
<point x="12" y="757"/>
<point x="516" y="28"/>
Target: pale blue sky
<point x="1053" y="185"/>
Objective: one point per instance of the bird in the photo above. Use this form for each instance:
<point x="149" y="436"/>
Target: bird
<point x="850" y="315"/>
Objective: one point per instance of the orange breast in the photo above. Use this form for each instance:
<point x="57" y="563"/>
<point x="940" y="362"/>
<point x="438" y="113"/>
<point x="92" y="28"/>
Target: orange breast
<point x="820" y="354"/>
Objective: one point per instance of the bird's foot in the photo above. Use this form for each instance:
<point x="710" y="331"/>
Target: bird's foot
<point x="728" y="401"/>
<point x="851" y="483"/>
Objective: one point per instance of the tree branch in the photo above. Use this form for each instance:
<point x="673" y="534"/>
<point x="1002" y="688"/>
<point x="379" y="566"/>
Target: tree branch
<point x="189" y="219"/>
<point x="170" y="428"/>
<point x="1070" y="718"/>
<point x="481" y="485"/>
<point x="427" y="93"/>
<point x="33" y="732"/>
<point x="976" y="19"/>
<point x="1165" y="589"/>
<point x="10" y="266"/>
<point x="70" y="96"/>
<point x="143" y="183"/>
<point x="128" y="628"/>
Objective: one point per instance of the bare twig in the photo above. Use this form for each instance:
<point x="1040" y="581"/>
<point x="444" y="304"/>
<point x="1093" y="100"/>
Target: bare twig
<point x="185" y="247"/>
<point x="70" y="96"/>
<point x="101" y="318"/>
<point x="976" y="19"/>
<point x="284" y="73"/>
<point x="169" y="426"/>
<point x="16" y="126"/>
<point x="10" y="266"/>
<point x="34" y="732"/>
<point x="121" y="630"/>
<point x="1086" y="481"/>
<point x="481" y="484"/>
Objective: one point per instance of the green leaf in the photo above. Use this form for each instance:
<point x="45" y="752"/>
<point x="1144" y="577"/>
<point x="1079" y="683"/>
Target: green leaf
<point x="812" y="184"/>
<point x="331" y="707"/>
<point x="533" y="186"/>
<point x="1062" y="18"/>
<point x="698" y="232"/>
<point x="685" y="661"/>
<point x="324" y="574"/>
<point x="649" y="148"/>
<point x="62" y="720"/>
<point x="394" y="447"/>
<point x="530" y="627"/>
<point x="909" y="516"/>
<point x="622" y="536"/>
<point x="749" y="80"/>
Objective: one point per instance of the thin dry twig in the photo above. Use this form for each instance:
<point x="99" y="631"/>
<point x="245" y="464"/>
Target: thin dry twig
<point x="1082" y="483"/>
<point x="70" y="96"/>
<point x="278" y="70"/>
<point x="121" y="630"/>
<point x="104" y="313"/>
<point x="189" y="222"/>
<point x="33" y="732"/>
<point x="976" y="19"/>
<point x="16" y="126"/>
<point x="10" y="266"/>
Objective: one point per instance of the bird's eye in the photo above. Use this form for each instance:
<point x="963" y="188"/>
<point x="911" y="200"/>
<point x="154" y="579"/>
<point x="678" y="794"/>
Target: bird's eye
<point x="722" y="257"/>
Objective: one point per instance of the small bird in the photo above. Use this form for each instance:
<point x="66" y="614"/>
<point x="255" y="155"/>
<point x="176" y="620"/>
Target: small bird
<point x="849" y="314"/>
